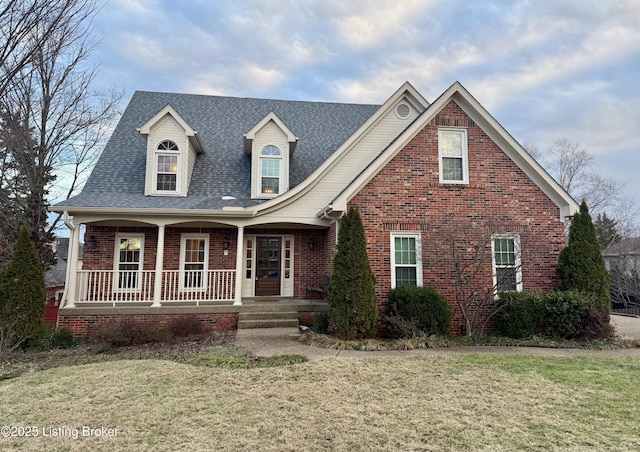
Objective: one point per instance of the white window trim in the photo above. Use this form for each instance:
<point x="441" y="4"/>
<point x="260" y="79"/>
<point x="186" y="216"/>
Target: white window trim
<point x="261" y="159"/>
<point x="183" y="246"/>
<point x="116" y="263"/>
<point x="418" y="238"/>
<point x="157" y="153"/>
<point x="518" y="261"/>
<point x="465" y="156"/>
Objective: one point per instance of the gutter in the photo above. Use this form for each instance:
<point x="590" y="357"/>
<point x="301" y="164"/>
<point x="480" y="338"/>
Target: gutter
<point x="226" y="212"/>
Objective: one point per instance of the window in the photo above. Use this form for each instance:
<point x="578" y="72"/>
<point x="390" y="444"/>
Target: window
<point x="167" y="155"/>
<point x="128" y="257"/>
<point x="507" y="275"/>
<point x="452" y="150"/>
<point x="270" y="170"/>
<point x="194" y="258"/>
<point x="406" y="259"/>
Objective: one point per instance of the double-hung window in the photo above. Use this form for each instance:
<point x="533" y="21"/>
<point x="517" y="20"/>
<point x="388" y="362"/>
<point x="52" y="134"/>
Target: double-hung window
<point x="453" y="156"/>
<point x="270" y="170"/>
<point x="194" y="258"/>
<point x="128" y="262"/>
<point x="507" y="269"/>
<point x="406" y="259"/>
<point x="166" y="162"/>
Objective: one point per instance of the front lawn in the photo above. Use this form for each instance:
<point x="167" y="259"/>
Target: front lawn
<point x="462" y="402"/>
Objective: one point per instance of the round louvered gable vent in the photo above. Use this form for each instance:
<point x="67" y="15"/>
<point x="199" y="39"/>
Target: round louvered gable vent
<point x="402" y="111"/>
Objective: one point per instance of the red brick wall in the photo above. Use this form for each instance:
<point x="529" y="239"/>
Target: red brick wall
<point x="102" y="256"/>
<point x="309" y="265"/>
<point x="407" y="195"/>
<point x="89" y="325"/>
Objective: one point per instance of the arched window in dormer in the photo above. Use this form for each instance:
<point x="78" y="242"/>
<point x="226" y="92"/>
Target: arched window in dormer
<point x="270" y="170"/>
<point x="167" y="158"/>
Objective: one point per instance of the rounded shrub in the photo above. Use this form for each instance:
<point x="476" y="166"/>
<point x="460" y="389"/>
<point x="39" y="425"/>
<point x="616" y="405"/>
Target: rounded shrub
<point x="412" y="310"/>
<point x="566" y="313"/>
<point x="520" y="314"/>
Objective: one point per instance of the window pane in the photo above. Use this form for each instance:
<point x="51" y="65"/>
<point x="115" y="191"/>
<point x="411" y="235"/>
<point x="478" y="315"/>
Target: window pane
<point x="452" y="169"/>
<point x="406" y="276"/>
<point x="270" y="185"/>
<point x="506" y="279"/>
<point x="194" y="263"/>
<point x="128" y="262"/>
<point x="270" y="176"/>
<point x="451" y="143"/>
<point x="271" y="150"/>
<point x="167" y="171"/>
<point x="505" y="252"/>
<point x="405" y="248"/>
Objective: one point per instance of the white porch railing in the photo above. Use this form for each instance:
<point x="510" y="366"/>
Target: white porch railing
<point x="121" y="287"/>
<point x="197" y="286"/>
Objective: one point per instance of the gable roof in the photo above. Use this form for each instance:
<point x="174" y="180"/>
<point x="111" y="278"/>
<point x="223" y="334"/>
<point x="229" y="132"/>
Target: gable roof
<point x="223" y="170"/>
<point x="456" y="92"/>
<point x="168" y="110"/>
<point x="271" y="116"/>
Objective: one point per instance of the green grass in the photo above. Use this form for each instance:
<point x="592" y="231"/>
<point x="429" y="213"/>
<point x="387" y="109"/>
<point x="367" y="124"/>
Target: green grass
<point x="459" y="402"/>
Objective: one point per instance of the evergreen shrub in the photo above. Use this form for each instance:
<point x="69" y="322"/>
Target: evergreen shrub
<point x="352" y="293"/>
<point x="413" y="310"/>
<point x="521" y="314"/>
<point x="22" y="294"/>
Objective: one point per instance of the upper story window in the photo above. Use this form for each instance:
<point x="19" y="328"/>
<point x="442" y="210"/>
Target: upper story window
<point x="453" y="156"/>
<point x="166" y="162"/>
<point x="270" y="170"/>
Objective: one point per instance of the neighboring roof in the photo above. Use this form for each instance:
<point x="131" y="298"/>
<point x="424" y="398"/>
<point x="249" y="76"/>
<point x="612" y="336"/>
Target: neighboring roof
<point x="57" y="274"/>
<point x="223" y="169"/>
<point x="624" y="247"/>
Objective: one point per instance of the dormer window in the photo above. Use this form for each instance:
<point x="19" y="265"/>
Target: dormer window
<point x="270" y="144"/>
<point x="270" y="170"/>
<point x="172" y="148"/>
<point x="167" y="159"/>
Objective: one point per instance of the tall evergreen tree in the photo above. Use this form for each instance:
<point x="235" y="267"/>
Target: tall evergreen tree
<point x="351" y="291"/>
<point x="580" y="264"/>
<point x="606" y="230"/>
<point x="22" y="291"/>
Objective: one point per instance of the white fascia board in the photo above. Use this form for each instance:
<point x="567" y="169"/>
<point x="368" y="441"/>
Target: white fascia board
<point x="271" y="116"/>
<point x="115" y="211"/>
<point x="567" y="205"/>
<point x="406" y="90"/>
<point x="477" y="112"/>
<point x="194" y="138"/>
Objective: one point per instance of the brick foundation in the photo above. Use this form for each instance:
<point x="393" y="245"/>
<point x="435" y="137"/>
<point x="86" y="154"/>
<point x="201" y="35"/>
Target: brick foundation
<point x="88" y="325"/>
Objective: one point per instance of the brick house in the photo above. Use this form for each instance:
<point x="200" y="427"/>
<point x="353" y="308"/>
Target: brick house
<point x="214" y="207"/>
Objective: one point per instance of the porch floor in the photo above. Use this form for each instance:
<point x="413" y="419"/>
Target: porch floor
<point x="248" y="305"/>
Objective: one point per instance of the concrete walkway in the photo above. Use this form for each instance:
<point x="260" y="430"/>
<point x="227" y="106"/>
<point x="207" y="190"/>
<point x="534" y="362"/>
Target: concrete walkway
<point x="284" y="341"/>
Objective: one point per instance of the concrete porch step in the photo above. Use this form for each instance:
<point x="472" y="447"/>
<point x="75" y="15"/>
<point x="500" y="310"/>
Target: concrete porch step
<point x="267" y="319"/>
<point x="267" y="323"/>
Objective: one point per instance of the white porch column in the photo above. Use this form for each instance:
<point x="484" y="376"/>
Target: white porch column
<point x="157" y="281"/>
<point x="239" y="260"/>
<point x="72" y="267"/>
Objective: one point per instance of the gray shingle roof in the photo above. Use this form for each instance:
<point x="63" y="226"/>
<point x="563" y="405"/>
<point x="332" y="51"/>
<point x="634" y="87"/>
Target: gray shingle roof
<point x="223" y="169"/>
<point x="628" y="246"/>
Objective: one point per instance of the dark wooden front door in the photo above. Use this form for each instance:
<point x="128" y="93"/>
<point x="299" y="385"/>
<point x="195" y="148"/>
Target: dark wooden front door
<point x="268" y="266"/>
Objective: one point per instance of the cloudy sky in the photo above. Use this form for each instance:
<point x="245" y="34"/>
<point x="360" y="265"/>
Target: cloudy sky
<point x="545" y="69"/>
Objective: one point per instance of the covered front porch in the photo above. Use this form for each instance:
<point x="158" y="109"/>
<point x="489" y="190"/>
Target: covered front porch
<point x="130" y="263"/>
